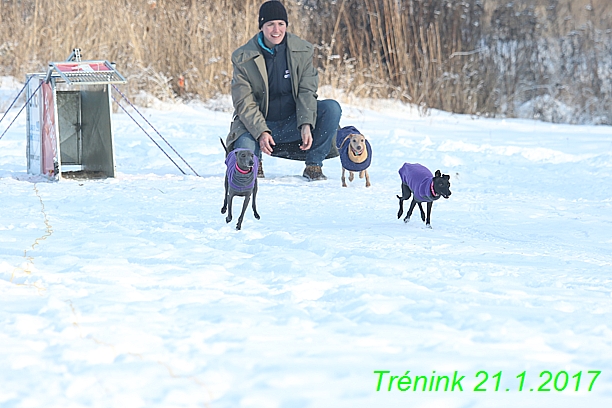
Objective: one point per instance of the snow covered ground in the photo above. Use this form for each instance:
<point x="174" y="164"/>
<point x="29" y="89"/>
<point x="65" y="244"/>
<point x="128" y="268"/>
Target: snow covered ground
<point x="134" y="292"/>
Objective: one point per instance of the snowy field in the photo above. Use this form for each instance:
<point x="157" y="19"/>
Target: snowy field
<point x="134" y="292"/>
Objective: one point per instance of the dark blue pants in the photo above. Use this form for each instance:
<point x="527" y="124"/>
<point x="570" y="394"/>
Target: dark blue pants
<point x="286" y="131"/>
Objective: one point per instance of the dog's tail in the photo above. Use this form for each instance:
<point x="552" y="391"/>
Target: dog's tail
<point x="224" y="147"/>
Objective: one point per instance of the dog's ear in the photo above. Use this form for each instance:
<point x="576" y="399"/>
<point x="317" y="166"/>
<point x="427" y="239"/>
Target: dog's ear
<point x="438" y="173"/>
<point x="446" y="176"/>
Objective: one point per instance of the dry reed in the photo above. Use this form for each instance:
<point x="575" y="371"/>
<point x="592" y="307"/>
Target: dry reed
<point x="459" y="56"/>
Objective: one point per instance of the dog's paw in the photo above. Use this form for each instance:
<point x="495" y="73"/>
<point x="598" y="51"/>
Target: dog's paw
<point x="256" y="214"/>
<point x="228" y="219"/>
<point x="407" y="220"/>
<point x="223" y="210"/>
<point x="428" y="226"/>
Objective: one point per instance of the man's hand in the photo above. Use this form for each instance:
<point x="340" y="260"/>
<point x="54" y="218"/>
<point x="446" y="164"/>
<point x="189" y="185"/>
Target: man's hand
<point x="306" y="137"/>
<point x="266" y="142"/>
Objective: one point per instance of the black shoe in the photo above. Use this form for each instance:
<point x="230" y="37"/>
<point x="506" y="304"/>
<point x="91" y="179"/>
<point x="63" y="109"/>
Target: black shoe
<point x="314" y="173"/>
<point x="260" y="173"/>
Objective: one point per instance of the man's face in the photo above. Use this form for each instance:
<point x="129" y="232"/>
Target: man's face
<point x="274" y="31"/>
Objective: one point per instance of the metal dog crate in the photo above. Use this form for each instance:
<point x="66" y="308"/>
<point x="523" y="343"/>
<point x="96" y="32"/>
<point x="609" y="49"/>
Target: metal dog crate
<point x="69" y="131"/>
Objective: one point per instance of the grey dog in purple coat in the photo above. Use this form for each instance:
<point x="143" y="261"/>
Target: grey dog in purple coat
<point x="424" y="187"/>
<point x="240" y="180"/>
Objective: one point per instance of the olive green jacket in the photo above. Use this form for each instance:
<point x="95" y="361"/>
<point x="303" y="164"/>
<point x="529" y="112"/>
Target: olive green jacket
<point x="250" y="93"/>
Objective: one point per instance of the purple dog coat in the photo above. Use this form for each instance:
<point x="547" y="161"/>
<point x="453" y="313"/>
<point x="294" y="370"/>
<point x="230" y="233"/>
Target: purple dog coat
<point x="420" y="181"/>
<point x="236" y="179"/>
<point x="342" y="143"/>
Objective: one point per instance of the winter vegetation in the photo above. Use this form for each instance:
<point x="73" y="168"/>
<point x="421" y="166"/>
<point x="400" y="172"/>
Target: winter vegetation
<point x="544" y="59"/>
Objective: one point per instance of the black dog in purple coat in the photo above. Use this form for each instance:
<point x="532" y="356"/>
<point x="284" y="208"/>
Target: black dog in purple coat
<point x="418" y="181"/>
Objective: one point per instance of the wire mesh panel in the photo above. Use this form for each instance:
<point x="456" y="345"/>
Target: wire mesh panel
<point x="88" y="72"/>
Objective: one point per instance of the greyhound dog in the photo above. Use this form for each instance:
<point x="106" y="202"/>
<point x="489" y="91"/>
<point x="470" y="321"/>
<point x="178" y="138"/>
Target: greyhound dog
<point x="418" y="181"/>
<point x="355" y="153"/>
<point x="240" y="180"/>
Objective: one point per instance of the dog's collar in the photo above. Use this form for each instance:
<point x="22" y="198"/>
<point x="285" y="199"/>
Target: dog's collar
<point x="431" y="187"/>
<point x="355" y="152"/>
<point x="242" y="171"/>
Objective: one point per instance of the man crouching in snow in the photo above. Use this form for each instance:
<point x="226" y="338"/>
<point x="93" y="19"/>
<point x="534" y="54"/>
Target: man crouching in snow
<point x="281" y="116"/>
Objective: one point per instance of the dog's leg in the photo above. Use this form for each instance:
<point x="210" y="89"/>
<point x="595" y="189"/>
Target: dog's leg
<point x="367" y="177"/>
<point x="343" y="178"/>
<point x="406" y="192"/>
<point x="422" y="212"/>
<point x="245" y="204"/>
<point x="255" y="213"/>
<point x="429" y="207"/>
<point x="230" y="199"/>
<point x="224" y="209"/>
<point x="351" y="176"/>
<point x="409" y="213"/>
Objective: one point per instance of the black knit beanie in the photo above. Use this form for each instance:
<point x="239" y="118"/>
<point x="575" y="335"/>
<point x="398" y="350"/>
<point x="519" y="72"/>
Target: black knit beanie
<point x="270" y="11"/>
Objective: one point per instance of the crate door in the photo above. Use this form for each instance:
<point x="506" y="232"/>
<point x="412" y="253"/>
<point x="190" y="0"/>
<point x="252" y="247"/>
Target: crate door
<point x="69" y="118"/>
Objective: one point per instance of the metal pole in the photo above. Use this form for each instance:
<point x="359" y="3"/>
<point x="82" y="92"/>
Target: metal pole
<point x="156" y="144"/>
<point x="21" y="110"/>
<point x="15" y="100"/>
<point x="145" y="119"/>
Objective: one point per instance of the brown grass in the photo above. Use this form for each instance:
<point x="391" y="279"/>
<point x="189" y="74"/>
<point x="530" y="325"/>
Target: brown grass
<point x="469" y="56"/>
<point x="152" y="42"/>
